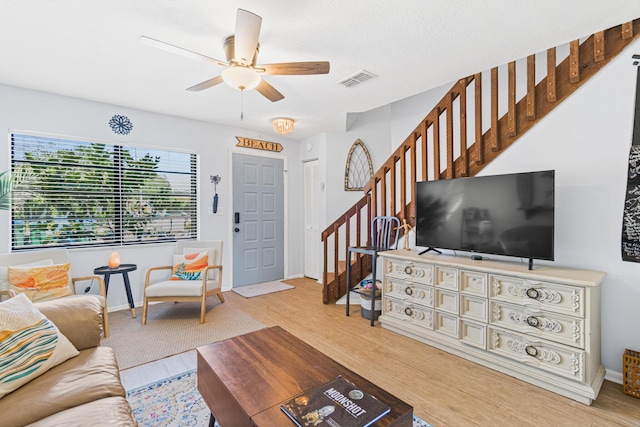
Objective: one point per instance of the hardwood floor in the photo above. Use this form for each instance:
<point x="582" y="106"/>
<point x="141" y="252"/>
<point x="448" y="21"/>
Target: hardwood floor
<point x="444" y="390"/>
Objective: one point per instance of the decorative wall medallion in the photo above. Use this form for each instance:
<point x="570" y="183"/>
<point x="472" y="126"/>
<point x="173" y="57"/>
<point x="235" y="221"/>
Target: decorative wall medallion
<point x="359" y="168"/>
<point x="120" y="124"/>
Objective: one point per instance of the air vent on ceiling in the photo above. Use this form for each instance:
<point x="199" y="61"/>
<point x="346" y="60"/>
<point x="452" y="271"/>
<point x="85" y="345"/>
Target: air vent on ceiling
<point x="357" y="78"/>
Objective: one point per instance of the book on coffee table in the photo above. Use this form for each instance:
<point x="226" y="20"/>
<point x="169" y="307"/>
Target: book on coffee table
<point x="337" y="403"/>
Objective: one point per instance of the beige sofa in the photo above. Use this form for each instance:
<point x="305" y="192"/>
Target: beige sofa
<point x="83" y="391"/>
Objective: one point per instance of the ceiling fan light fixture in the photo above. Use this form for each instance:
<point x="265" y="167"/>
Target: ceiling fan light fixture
<point x="282" y="125"/>
<point x="241" y="78"/>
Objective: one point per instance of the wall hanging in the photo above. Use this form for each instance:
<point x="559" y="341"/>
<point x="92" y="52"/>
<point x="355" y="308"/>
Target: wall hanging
<point x="120" y="124"/>
<point x="631" y="215"/>
<point x="359" y="168"/>
<point x="257" y="144"/>
<point x="215" y="179"/>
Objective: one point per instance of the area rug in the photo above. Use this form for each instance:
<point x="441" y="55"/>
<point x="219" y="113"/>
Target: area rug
<point x="265" y="288"/>
<point x="175" y="402"/>
<point x="173" y="328"/>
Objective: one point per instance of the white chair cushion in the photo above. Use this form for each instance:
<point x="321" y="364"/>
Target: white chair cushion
<point x="182" y="288"/>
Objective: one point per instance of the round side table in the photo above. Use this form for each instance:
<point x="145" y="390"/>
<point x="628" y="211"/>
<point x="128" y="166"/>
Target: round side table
<point x="123" y="269"/>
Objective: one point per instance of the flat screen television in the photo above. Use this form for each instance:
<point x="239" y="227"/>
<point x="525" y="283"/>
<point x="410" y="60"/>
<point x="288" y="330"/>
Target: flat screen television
<point x="511" y="215"/>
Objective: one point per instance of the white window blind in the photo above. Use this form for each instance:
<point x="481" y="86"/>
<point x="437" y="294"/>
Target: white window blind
<point x="75" y="193"/>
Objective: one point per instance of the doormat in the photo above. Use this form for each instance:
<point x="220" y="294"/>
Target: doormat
<point x="251" y="291"/>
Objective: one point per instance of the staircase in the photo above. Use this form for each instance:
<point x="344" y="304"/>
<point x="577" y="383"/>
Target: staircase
<point x="461" y="135"/>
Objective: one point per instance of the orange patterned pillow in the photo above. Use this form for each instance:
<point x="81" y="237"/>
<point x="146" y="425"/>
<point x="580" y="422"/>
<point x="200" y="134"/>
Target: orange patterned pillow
<point x="40" y="283"/>
<point x="190" y="266"/>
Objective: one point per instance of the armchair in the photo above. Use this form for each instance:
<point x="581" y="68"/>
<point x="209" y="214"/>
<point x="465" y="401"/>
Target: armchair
<point x="45" y="258"/>
<point x="187" y="290"/>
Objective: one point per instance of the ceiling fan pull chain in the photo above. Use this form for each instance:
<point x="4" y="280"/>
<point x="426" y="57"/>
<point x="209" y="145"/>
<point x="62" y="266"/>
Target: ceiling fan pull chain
<point x="241" y="105"/>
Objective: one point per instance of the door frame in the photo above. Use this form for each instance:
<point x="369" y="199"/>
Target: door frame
<point x="258" y="153"/>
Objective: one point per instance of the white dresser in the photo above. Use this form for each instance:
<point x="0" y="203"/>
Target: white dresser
<point x="541" y="326"/>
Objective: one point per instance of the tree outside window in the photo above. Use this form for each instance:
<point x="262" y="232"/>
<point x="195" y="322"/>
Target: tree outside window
<point x="82" y="193"/>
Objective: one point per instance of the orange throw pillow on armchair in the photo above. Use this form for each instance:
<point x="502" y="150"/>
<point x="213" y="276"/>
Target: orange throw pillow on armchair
<point x="190" y="266"/>
<point x="40" y="283"/>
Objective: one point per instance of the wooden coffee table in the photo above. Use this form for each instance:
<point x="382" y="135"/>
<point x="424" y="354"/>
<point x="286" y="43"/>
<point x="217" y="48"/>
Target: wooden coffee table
<point x="244" y="379"/>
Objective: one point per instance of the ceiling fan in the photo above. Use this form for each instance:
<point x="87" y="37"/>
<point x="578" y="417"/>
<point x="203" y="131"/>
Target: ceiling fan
<point x="241" y="53"/>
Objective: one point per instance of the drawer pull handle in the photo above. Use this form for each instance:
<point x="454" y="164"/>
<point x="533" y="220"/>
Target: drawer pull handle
<point x="533" y="321"/>
<point x="533" y="293"/>
<point x="408" y="311"/>
<point x="531" y="350"/>
<point x="408" y="291"/>
<point x="408" y="270"/>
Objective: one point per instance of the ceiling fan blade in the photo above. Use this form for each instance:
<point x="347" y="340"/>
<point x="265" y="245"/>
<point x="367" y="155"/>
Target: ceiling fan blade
<point x="246" y="37"/>
<point x="206" y="84"/>
<point x="180" y="51"/>
<point x="296" y="68"/>
<point x="268" y="91"/>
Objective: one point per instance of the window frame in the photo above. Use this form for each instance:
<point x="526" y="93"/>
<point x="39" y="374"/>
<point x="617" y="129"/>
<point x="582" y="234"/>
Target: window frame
<point x="121" y="235"/>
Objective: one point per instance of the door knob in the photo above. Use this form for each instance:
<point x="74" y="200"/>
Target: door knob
<point x="236" y="229"/>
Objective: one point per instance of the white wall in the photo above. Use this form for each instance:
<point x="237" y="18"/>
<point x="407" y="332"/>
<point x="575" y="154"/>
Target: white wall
<point x="408" y="113"/>
<point x="373" y="129"/>
<point x="586" y="140"/>
<point x="28" y="110"/>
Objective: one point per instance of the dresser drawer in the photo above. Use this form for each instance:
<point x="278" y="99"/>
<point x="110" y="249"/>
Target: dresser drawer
<point x="473" y="333"/>
<point x="473" y="283"/>
<point x="560" y="360"/>
<point x="550" y="326"/>
<point x="408" y="291"/>
<point x="410" y="313"/>
<point x="446" y="278"/>
<point x="474" y="308"/>
<point x="447" y="301"/>
<point x="447" y="324"/>
<point x="551" y="297"/>
<point x="416" y="272"/>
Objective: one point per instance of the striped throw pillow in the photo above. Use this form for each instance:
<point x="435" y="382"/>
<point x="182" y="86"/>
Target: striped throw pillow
<point x="30" y="344"/>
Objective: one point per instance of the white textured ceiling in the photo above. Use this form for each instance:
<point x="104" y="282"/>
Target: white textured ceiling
<point x="90" y="49"/>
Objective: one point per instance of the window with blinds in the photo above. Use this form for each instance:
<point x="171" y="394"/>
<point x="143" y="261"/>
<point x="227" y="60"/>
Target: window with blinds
<point x="74" y="193"/>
